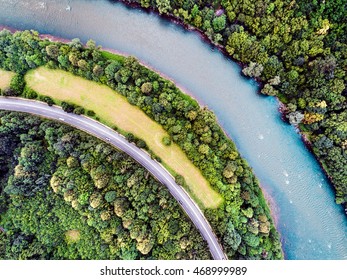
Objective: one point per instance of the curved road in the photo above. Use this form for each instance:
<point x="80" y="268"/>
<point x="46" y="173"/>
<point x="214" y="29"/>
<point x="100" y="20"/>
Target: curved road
<point x="97" y="129"/>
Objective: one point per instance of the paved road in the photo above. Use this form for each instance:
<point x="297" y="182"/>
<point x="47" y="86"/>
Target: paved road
<point x="95" y="128"/>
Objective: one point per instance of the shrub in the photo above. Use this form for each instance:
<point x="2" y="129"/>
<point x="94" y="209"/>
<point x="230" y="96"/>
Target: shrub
<point x="29" y="93"/>
<point x="141" y="144"/>
<point x="166" y="141"/>
<point x="17" y="84"/>
<point x="79" y="110"/>
<point x="69" y="108"/>
<point x="47" y="99"/>
<point x="90" y="113"/>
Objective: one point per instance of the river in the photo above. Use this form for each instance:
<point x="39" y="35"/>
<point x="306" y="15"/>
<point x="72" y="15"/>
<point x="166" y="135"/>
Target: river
<point x="311" y="225"/>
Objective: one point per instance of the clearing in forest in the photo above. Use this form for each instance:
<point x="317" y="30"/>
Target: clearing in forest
<point x="72" y="236"/>
<point x="5" y="78"/>
<point x="113" y="109"/>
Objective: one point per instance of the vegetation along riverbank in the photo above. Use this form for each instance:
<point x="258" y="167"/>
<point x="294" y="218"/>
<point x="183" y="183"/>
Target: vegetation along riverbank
<point x="296" y="50"/>
<point x="242" y="221"/>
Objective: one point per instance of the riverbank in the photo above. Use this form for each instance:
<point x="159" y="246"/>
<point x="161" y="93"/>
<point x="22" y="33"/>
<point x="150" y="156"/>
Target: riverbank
<point x="202" y="203"/>
<point x="281" y="108"/>
<point x="269" y="145"/>
<point x="176" y="20"/>
<point x="274" y="211"/>
<point x="234" y="179"/>
<point x="308" y="144"/>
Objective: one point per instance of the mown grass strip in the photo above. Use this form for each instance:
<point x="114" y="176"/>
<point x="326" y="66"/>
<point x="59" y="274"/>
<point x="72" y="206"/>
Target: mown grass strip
<point x="5" y="78"/>
<point x="113" y="109"/>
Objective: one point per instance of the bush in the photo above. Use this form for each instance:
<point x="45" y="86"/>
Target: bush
<point x="8" y="92"/>
<point x="180" y="180"/>
<point x="166" y="141"/>
<point x="141" y="144"/>
<point x="48" y="100"/>
<point x="29" y="93"/>
<point x="17" y="84"/>
<point x="130" y="137"/>
<point x="79" y="110"/>
<point x="90" y="113"/>
<point x="69" y="108"/>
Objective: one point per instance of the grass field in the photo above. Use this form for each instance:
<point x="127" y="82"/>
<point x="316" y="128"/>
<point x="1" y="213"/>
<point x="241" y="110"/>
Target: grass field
<point x="5" y="78"/>
<point x="112" y="56"/>
<point x="114" y="110"/>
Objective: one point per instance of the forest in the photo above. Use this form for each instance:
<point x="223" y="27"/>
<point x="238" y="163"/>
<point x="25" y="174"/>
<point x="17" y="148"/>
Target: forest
<point x="296" y="50"/>
<point x="67" y="195"/>
<point x="243" y="222"/>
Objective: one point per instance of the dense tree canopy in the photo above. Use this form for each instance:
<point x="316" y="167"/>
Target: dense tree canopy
<point x="193" y="128"/>
<point x="66" y="195"/>
<point x="296" y="49"/>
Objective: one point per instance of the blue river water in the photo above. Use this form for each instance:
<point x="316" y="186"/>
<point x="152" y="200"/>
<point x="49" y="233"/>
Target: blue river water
<point x="311" y="225"/>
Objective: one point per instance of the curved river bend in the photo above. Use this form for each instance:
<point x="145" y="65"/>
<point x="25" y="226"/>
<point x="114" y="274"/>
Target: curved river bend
<point x="311" y="225"/>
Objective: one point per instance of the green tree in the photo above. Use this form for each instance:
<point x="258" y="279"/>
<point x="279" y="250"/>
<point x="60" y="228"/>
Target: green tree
<point x="218" y="23"/>
<point x="146" y="88"/>
<point x="163" y="6"/>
